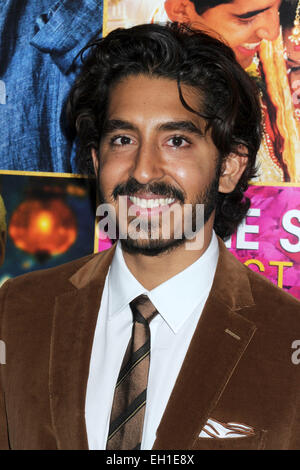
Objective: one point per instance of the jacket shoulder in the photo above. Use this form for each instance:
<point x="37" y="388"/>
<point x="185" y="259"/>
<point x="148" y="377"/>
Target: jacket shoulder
<point x="264" y="290"/>
<point x="255" y="296"/>
<point x="274" y="306"/>
<point x="44" y="281"/>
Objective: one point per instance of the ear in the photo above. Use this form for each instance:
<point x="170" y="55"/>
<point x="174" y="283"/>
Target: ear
<point x="95" y="161"/>
<point x="232" y="170"/>
<point x="175" y="12"/>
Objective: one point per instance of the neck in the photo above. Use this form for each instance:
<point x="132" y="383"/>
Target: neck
<point x="151" y="271"/>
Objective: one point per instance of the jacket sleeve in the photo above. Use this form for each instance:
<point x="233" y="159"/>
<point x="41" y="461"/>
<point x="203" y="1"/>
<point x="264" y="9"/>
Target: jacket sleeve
<point x="4" y="436"/>
<point x="4" y="441"/>
<point x="294" y="441"/>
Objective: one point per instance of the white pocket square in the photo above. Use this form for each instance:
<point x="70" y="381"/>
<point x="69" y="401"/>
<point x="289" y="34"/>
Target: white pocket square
<point x="217" y="430"/>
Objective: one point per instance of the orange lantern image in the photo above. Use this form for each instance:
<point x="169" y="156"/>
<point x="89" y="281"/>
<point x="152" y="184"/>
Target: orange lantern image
<point x="43" y="228"/>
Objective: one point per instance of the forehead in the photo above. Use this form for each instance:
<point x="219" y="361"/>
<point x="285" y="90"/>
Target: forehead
<point x="146" y="96"/>
<point x="243" y="6"/>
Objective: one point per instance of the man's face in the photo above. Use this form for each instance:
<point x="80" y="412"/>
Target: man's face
<point x="243" y="24"/>
<point x="155" y="152"/>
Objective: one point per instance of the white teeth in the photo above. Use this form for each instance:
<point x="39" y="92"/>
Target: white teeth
<point x="150" y="203"/>
<point x="251" y="46"/>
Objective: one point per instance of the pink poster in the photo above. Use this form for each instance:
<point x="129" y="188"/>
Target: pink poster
<point x="269" y="239"/>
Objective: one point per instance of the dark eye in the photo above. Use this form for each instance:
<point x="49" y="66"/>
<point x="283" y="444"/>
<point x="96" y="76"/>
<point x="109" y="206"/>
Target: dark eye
<point x="178" y="141"/>
<point x="121" y="140"/>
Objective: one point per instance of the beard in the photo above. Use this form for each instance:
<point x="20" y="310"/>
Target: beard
<point x="155" y="247"/>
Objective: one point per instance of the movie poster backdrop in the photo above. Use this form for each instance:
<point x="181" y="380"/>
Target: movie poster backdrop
<point x="50" y="220"/>
<point x="50" y="209"/>
<point x="39" y="45"/>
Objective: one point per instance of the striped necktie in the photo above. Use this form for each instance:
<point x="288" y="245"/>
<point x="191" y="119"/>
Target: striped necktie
<point x="128" y="409"/>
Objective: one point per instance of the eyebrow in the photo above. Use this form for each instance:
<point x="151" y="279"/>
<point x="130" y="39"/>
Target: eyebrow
<point x="251" y="14"/>
<point x="117" y="125"/>
<point x="187" y="126"/>
<point x="173" y="126"/>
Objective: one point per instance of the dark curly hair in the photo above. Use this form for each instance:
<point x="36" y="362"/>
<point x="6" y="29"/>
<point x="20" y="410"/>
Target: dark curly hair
<point x="230" y="102"/>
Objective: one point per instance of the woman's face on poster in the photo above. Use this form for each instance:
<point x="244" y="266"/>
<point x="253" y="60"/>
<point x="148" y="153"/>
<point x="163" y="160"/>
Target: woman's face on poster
<point x="243" y="24"/>
<point x="292" y="49"/>
<point x="293" y="63"/>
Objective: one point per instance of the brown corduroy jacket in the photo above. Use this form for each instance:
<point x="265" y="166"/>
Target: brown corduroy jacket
<point x="238" y="368"/>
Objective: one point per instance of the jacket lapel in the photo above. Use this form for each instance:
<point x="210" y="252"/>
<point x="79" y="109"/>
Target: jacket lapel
<point x="74" y="323"/>
<point x="219" y="342"/>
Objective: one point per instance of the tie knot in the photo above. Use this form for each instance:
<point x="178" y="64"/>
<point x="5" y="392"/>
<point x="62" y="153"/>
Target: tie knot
<point x="143" y="310"/>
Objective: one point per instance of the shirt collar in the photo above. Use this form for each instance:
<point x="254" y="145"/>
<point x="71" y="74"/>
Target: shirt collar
<point x="175" y="299"/>
<point x="123" y="287"/>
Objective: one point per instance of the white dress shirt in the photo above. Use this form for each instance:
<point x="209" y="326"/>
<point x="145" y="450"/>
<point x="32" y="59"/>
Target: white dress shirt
<point x="179" y="301"/>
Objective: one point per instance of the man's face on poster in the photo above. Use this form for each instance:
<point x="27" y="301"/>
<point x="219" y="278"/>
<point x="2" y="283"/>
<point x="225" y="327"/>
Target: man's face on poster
<point x="241" y="23"/>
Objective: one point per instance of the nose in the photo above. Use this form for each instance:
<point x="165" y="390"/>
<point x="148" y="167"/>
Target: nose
<point x="147" y="165"/>
<point x="269" y="26"/>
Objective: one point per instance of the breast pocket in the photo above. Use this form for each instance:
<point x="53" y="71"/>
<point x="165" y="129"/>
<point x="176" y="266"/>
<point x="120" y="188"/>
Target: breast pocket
<point x="254" y="442"/>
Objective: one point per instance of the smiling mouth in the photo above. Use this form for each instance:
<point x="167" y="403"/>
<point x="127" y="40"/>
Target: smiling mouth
<point x="147" y="203"/>
<point x="150" y="206"/>
<point x="249" y="48"/>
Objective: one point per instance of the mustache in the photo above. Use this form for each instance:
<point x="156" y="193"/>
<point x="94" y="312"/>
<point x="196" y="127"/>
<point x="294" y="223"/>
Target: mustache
<point x="132" y="187"/>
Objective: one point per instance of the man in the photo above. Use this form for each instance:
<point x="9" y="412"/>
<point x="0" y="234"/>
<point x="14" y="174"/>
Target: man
<point x="242" y="24"/>
<point x="170" y="120"/>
